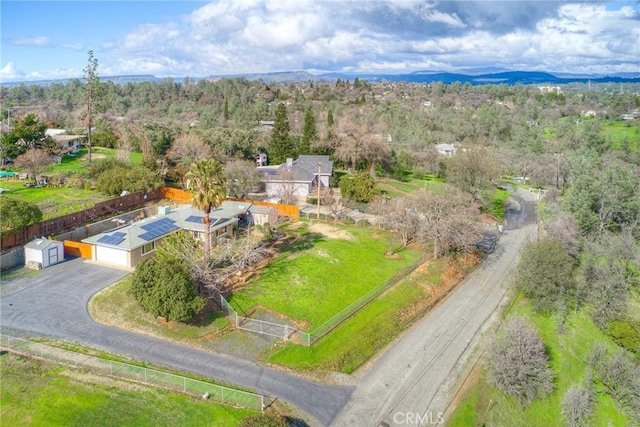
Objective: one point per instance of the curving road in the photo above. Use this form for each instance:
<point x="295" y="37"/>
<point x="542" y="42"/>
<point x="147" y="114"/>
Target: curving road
<point x="53" y="303"/>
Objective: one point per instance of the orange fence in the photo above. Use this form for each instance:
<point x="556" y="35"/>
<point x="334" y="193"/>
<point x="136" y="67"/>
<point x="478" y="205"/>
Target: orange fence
<point x="292" y="211"/>
<point x="83" y="250"/>
<point x="176" y="194"/>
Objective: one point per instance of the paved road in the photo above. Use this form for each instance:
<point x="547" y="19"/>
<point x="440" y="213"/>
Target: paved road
<point x="409" y="384"/>
<point x="53" y="303"/>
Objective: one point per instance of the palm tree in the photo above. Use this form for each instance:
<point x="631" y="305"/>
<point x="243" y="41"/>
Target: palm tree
<point x="205" y="180"/>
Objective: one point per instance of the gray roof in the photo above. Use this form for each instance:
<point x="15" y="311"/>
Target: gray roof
<point x="184" y="218"/>
<point x="41" y="243"/>
<point x="304" y="169"/>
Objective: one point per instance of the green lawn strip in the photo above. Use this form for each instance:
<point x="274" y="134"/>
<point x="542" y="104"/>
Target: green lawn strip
<point x="42" y="394"/>
<point x="360" y="337"/>
<point x="320" y="276"/>
<point x="497" y="199"/>
<point x="569" y="353"/>
<point x="115" y="306"/>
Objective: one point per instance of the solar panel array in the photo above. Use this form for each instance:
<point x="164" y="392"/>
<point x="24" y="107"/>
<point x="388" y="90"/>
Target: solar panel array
<point x="112" y="239"/>
<point x="157" y="229"/>
<point x="119" y="234"/>
<point x="194" y="218"/>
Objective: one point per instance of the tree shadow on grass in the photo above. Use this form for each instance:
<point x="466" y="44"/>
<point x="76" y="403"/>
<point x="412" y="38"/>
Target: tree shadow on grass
<point x="300" y="243"/>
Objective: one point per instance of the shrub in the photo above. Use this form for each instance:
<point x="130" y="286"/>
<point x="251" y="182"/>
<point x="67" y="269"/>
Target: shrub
<point x="625" y="333"/>
<point x="517" y="362"/>
<point x="165" y="288"/>
<point x="577" y="405"/>
<point x="263" y="420"/>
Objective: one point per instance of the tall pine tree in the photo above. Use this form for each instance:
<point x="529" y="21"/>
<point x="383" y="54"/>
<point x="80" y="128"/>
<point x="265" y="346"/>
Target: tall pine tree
<point x="309" y="132"/>
<point x="281" y="145"/>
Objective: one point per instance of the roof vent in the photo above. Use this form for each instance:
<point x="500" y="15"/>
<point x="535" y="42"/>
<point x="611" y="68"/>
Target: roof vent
<point x="163" y="210"/>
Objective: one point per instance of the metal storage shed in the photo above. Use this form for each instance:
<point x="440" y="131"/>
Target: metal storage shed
<point x="41" y="253"/>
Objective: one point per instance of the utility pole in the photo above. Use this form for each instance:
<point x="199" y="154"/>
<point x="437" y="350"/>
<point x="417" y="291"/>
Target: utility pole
<point x="539" y="216"/>
<point x="319" y="171"/>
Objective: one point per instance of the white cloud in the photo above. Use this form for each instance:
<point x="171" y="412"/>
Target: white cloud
<point x="30" y="41"/>
<point x="247" y="36"/>
<point x="10" y="72"/>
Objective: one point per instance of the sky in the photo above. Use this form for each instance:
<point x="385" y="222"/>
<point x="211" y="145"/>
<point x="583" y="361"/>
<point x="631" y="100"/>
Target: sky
<point x="51" y="39"/>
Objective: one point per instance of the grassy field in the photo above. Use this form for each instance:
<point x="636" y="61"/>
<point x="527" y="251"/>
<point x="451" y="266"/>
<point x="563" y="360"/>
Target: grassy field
<point x="36" y="393"/>
<point x="56" y="201"/>
<point x="115" y="306"/>
<point x="395" y="188"/>
<point x="316" y="277"/>
<point x="497" y="198"/>
<point x="484" y="404"/>
<point x="618" y="133"/>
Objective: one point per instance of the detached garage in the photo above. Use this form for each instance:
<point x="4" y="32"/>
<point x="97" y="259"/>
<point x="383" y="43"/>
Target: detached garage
<point x="41" y="253"/>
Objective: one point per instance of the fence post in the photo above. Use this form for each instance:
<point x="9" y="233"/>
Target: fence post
<point x="262" y="403"/>
<point x="235" y="315"/>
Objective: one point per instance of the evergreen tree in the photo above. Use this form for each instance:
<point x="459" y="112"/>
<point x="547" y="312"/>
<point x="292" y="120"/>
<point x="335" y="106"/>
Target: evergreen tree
<point x="281" y="146"/>
<point x="309" y="132"/>
<point x="226" y="109"/>
<point x="330" y="118"/>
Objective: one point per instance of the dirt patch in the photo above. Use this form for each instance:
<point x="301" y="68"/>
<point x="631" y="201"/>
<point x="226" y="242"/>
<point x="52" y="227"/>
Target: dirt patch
<point x="330" y="231"/>
<point x="88" y="377"/>
<point x="94" y="156"/>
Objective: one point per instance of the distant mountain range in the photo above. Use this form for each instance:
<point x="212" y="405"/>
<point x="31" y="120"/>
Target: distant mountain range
<point x="475" y="76"/>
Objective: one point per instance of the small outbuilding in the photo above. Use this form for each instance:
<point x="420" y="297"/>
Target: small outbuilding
<point x="41" y="253"/>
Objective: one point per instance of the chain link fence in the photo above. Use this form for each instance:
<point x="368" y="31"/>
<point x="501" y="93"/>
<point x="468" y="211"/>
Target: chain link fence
<point x="290" y="333"/>
<point x="218" y="393"/>
<point x="278" y="330"/>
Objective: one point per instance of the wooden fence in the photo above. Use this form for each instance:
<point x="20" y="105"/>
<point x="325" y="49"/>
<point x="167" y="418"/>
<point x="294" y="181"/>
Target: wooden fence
<point x="100" y="210"/>
<point x="291" y="211"/>
<point x="112" y="207"/>
<point x="79" y="249"/>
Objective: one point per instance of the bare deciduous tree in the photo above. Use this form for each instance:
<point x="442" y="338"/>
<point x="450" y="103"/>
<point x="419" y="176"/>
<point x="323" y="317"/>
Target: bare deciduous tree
<point x="472" y="170"/>
<point x="361" y="142"/>
<point x="449" y="221"/>
<point x="34" y="161"/>
<point x="242" y="177"/>
<point x="287" y="186"/>
<point x="518" y="363"/>
<point x="620" y="378"/>
<point x="187" y="149"/>
<point x="577" y="405"/>
<point x="565" y="229"/>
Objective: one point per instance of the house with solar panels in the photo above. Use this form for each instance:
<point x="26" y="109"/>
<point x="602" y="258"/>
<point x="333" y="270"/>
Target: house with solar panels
<point x="128" y="245"/>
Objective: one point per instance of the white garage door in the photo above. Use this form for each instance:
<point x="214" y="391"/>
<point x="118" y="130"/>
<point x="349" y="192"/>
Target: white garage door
<point x="111" y="256"/>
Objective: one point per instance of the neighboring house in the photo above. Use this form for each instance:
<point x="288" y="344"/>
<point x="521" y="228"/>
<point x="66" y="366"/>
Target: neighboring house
<point x="65" y="144"/>
<point x="446" y="149"/>
<point x="127" y="246"/>
<point x="297" y="178"/>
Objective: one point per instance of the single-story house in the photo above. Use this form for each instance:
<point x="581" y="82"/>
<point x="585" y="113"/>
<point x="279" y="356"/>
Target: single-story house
<point x="446" y="149"/>
<point x="41" y="253"/>
<point x="297" y="178"/>
<point x="65" y="144"/>
<point x="261" y="215"/>
<point x="128" y="245"/>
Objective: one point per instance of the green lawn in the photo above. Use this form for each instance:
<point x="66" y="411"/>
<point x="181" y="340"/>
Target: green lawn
<point x="37" y="393"/>
<point x="497" y="199"/>
<point x="115" y="306"/>
<point x="484" y="404"/>
<point x="57" y="201"/>
<point x="395" y="188"/>
<point x="316" y="277"/>
<point x="618" y="133"/>
<point x="359" y="338"/>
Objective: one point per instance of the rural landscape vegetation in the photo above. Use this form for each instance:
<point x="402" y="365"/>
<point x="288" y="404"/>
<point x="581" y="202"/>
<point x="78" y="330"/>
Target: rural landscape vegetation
<point x="566" y="348"/>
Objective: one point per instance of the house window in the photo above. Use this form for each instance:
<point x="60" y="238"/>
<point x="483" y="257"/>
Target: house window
<point x="149" y="247"/>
